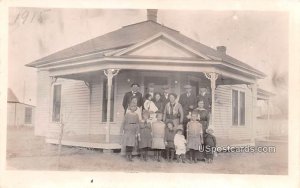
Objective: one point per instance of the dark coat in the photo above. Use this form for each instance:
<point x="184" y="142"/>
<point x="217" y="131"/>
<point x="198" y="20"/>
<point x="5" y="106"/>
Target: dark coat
<point x="186" y="102"/>
<point x="164" y="100"/>
<point x="128" y="96"/>
<point x="204" y="118"/>
<point x="159" y="104"/>
<point x="206" y="100"/>
<point x="210" y="140"/>
<point x="169" y="137"/>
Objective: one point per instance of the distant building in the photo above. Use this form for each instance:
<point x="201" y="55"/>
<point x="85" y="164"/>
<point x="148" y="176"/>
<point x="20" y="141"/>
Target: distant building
<point x="18" y="114"/>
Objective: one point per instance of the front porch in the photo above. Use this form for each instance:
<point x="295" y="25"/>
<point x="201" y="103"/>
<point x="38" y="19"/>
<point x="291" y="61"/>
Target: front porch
<point x="91" y="128"/>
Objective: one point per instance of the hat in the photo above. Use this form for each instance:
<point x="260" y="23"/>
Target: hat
<point x="151" y="85"/>
<point x="209" y="130"/>
<point x="174" y="94"/>
<point x="134" y="83"/>
<point x="165" y="87"/>
<point x="187" y="86"/>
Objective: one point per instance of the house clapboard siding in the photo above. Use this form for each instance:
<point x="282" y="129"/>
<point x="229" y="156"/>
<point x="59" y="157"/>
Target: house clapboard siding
<point x="223" y="113"/>
<point x="82" y="111"/>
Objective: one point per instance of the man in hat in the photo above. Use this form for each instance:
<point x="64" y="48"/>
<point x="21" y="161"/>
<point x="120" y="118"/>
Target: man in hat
<point x="131" y="94"/>
<point x="165" y="96"/>
<point x="188" y="101"/>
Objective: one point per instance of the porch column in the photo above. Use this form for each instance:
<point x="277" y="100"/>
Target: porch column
<point x="254" y="102"/>
<point x="109" y="73"/>
<point x="212" y="76"/>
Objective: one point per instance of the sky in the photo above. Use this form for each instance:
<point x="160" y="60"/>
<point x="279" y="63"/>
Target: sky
<point x="258" y="38"/>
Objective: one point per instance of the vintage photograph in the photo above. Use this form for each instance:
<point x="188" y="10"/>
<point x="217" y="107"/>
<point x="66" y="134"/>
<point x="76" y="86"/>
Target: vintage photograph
<point x="148" y="90"/>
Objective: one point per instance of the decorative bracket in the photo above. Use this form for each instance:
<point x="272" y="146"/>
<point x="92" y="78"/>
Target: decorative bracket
<point x="53" y="80"/>
<point x="212" y="76"/>
<point x="110" y="73"/>
<point x="88" y="85"/>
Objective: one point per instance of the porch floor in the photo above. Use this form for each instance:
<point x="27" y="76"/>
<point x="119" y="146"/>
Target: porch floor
<point x="89" y="141"/>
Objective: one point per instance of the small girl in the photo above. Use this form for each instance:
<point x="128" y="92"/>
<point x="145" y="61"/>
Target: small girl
<point x="180" y="145"/>
<point x="209" y="143"/>
<point x="158" y="134"/>
<point x="194" y="136"/>
<point x="169" y="141"/>
<point x="145" y="138"/>
<point x="130" y="130"/>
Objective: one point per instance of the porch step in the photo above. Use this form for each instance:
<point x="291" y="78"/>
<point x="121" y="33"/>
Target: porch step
<point x="107" y="146"/>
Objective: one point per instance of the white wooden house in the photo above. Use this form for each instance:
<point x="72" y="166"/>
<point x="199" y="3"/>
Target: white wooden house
<point x="18" y="113"/>
<point x="74" y="83"/>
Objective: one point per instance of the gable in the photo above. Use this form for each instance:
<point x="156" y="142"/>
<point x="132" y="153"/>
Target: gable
<point x="161" y="45"/>
<point x="162" y="48"/>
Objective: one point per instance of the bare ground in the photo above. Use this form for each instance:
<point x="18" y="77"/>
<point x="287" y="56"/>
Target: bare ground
<point x="28" y="152"/>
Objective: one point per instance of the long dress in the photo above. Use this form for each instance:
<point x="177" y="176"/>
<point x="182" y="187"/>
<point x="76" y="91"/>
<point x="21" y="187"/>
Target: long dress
<point x="194" y="132"/>
<point x="130" y="128"/>
<point x="158" y="135"/>
<point x="145" y="134"/>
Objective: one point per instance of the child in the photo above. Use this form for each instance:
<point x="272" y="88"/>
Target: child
<point x="158" y="134"/>
<point x="149" y="104"/>
<point x="194" y="136"/>
<point x="145" y="138"/>
<point x="169" y="141"/>
<point x="209" y="143"/>
<point x="130" y="130"/>
<point x="180" y="145"/>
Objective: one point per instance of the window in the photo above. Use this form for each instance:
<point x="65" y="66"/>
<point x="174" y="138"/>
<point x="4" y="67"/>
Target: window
<point x="238" y="107"/>
<point x="28" y="115"/>
<point x="104" y="101"/>
<point x="56" y="103"/>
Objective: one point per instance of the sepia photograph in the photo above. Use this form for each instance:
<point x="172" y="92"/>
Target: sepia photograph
<point x="148" y="91"/>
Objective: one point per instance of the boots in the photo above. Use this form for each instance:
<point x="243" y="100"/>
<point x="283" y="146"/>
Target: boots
<point x="158" y="156"/>
<point x="168" y="154"/>
<point x="146" y="156"/>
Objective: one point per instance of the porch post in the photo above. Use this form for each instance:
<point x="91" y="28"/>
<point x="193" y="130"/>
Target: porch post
<point x="212" y="76"/>
<point x="109" y="73"/>
<point x="254" y="102"/>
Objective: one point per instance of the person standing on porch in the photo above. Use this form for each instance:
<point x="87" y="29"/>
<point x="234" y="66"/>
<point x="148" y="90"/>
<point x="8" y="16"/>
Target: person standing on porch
<point x="145" y="137"/>
<point x="130" y="130"/>
<point x="133" y="93"/>
<point x="203" y="115"/>
<point x="138" y="110"/>
<point x="173" y="111"/>
<point x="188" y="100"/>
<point x="206" y="98"/>
<point x="158" y="102"/>
<point x="165" y="96"/>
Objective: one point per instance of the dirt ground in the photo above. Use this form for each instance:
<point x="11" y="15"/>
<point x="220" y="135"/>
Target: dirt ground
<point x="28" y="152"/>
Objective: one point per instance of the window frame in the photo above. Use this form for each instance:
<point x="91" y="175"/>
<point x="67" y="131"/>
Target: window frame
<point x="239" y="91"/>
<point x="26" y="115"/>
<point x="52" y="105"/>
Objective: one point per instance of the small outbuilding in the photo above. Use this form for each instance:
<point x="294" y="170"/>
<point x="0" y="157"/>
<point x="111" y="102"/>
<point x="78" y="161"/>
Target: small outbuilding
<point x="18" y="113"/>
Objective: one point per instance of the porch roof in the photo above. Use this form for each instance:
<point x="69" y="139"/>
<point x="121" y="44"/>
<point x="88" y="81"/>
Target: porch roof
<point x="131" y="35"/>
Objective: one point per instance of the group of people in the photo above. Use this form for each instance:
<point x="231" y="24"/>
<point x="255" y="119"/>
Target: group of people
<point x="169" y="127"/>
